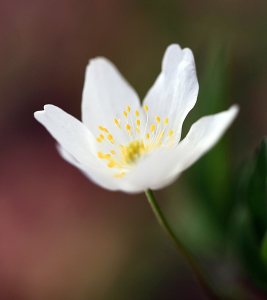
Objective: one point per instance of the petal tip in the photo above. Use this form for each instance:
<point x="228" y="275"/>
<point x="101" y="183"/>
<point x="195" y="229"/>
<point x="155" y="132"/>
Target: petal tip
<point x="37" y="114"/>
<point x="234" y="110"/>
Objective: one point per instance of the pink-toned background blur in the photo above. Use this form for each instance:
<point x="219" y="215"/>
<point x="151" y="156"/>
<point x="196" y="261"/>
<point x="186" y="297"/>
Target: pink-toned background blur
<point x="62" y="237"/>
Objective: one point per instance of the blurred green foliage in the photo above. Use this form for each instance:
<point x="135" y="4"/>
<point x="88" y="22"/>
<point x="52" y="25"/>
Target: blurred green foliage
<point x="250" y="221"/>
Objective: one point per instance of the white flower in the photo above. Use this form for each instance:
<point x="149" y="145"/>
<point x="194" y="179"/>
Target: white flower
<point x="121" y="145"/>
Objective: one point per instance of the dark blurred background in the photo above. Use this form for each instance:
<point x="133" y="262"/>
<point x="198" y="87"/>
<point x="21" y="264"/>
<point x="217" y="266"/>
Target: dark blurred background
<point x="62" y="237"/>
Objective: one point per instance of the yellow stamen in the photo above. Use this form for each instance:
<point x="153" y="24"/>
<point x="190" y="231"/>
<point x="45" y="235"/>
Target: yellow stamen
<point x="103" y="128"/>
<point x="120" y="175"/>
<point x="117" y="123"/>
<point x="100" y="154"/>
<point x="109" y="137"/>
<point x="111" y="164"/>
<point x="135" y="146"/>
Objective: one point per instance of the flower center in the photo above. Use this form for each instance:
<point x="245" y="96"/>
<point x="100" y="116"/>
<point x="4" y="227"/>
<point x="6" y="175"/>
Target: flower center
<point x="138" y="142"/>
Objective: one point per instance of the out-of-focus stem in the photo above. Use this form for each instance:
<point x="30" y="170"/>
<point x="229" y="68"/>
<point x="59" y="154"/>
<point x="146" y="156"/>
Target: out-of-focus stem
<point x="198" y="271"/>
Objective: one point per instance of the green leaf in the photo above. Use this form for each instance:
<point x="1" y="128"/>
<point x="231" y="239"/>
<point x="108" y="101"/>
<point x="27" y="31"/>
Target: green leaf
<point x="256" y="191"/>
<point x="250" y="220"/>
<point x="264" y="249"/>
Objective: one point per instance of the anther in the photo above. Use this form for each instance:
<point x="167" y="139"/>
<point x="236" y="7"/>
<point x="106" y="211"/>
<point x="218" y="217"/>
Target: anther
<point x="102" y="128"/>
<point x="137" y="113"/>
<point x="125" y="114"/>
<point x="170" y="132"/>
<point x="161" y="134"/>
<point x="111" y="164"/>
<point x="152" y="128"/>
<point x="128" y="127"/>
<point x="138" y="122"/>
<point x="158" y="119"/>
<point x="112" y="152"/>
<point x="117" y="123"/>
<point x="146" y="108"/>
<point x="98" y="140"/>
<point x="119" y="175"/>
<point x="100" y="154"/>
<point x="106" y="156"/>
<point x="147" y="135"/>
<point x="128" y="108"/>
<point x="137" y="129"/>
<point x="160" y="143"/>
<point x="101" y="136"/>
<point x="166" y="121"/>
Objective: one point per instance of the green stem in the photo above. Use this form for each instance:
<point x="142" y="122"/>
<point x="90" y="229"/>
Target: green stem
<point x="199" y="273"/>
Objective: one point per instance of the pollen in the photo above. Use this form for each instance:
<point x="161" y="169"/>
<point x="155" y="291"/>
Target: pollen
<point x="120" y="175"/>
<point x="133" y="151"/>
<point x="117" y="123"/>
<point x="103" y="128"/>
<point x="111" y="164"/>
<point x="109" y="137"/>
<point x="100" y="154"/>
<point x="152" y="128"/>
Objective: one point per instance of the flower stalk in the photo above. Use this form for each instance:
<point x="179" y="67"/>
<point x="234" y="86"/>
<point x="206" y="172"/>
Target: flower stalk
<point x="200" y="274"/>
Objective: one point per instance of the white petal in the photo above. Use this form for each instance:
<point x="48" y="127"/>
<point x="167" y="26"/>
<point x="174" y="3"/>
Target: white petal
<point x="164" y="167"/>
<point x="105" y="96"/>
<point x="70" y="133"/>
<point x="175" y="91"/>
<point x="102" y="177"/>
